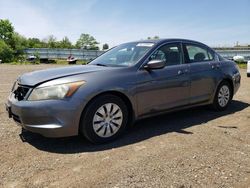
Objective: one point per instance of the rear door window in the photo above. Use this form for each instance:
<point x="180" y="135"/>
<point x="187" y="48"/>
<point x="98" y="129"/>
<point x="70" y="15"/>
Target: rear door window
<point x="197" y="53"/>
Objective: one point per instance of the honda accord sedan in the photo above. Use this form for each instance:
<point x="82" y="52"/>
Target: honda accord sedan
<point x="129" y="82"/>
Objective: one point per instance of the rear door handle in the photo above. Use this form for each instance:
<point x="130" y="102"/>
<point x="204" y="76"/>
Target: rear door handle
<point x="215" y="66"/>
<point x="180" y="72"/>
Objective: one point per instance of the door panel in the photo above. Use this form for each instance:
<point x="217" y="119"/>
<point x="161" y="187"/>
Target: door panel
<point x="204" y="72"/>
<point x="203" y="81"/>
<point x="162" y="89"/>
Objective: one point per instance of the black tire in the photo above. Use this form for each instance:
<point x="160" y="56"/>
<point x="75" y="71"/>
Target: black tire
<point x="216" y="104"/>
<point x="87" y="120"/>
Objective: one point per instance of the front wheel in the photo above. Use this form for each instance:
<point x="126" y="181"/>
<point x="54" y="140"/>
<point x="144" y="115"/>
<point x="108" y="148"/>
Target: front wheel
<point x="223" y="96"/>
<point x="104" y="119"/>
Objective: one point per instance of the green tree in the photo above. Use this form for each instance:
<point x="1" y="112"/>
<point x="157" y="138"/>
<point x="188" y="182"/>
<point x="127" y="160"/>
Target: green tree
<point x="105" y="46"/>
<point x="12" y="44"/>
<point x="154" y="38"/>
<point x="87" y="41"/>
<point x="6" y="53"/>
<point x="65" y="43"/>
<point x="6" y="32"/>
<point x="20" y="43"/>
<point x="52" y="42"/>
<point x="35" y="43"/>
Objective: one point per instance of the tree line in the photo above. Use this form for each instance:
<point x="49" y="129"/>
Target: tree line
<point x="12" y="44"/>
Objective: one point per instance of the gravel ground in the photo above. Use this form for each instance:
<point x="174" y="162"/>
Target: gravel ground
<point x="191" y="148"/>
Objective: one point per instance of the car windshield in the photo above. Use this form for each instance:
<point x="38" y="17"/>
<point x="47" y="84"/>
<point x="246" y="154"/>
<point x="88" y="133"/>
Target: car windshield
<point x="123" y="55"/>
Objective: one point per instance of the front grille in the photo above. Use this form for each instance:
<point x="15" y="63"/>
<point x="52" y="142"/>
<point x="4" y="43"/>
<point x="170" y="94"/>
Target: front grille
<point x="21" y="92"/>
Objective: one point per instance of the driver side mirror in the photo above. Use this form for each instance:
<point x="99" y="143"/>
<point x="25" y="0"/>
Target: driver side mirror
<point x="155" y="64"/>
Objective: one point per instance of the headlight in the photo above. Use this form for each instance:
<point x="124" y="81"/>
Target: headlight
<point x="55" y="91"/>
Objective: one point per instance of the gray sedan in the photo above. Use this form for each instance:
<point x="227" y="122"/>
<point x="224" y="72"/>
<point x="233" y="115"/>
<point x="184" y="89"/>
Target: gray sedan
<point x="129" y="82"/>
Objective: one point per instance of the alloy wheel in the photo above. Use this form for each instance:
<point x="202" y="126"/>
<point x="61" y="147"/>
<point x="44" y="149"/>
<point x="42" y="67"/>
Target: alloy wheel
<point x="224" y="96"/>
<point x="107" y="120"/>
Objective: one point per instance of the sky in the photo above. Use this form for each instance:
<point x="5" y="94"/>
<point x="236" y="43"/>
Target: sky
<point x="214" y="22"/>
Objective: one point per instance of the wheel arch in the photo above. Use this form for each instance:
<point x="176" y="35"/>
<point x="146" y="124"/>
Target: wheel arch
<point x="230" y="81"/>
<point x="227" y="79"/>
<point x="124" y="97"/>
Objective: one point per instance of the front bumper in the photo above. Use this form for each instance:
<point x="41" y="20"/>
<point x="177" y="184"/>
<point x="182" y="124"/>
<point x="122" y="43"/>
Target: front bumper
<point x="50" y="118"/>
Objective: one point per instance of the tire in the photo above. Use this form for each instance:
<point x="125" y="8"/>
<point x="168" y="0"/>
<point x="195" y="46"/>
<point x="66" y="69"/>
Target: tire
<point x="223" y="96"/>
<point x="104" y="119"/>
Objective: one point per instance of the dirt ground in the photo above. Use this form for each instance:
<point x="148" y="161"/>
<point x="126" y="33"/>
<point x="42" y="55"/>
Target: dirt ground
<point x="191" y="148"/>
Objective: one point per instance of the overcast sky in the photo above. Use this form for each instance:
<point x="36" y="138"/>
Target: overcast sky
<point x="214" y="22"/>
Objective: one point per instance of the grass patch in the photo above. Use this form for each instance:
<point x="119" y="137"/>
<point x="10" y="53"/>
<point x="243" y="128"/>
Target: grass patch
<point x="24" y="63"/>
<point x="242" y="65"/>
<point x="65" y="62"/>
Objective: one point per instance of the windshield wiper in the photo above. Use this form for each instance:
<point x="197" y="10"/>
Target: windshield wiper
<point x="99" y="64"/>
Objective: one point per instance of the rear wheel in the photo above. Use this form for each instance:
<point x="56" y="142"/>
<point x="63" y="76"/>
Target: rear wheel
<point x="104" y="119"/>
<point x="223" y="96"/>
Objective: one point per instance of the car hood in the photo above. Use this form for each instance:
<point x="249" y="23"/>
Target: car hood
<point x="37" y="77"/>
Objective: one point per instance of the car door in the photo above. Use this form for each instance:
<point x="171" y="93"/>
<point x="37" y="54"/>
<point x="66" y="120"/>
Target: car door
<point x="204" y="70"/>
<point x="165" y="88"/>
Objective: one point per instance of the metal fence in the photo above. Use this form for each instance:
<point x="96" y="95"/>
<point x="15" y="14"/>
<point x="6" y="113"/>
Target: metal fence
<point x="230" y="53"/>
<point x="46" y="53"/>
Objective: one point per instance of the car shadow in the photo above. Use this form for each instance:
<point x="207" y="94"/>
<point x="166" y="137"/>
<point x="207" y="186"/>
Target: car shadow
<point x="142" y="130"/>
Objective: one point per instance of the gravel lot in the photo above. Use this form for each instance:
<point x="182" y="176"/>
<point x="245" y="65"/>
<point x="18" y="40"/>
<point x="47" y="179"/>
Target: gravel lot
<point x="191" y="148"/>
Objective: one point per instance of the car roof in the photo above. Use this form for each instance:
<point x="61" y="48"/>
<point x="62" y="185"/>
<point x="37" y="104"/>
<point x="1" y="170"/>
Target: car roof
<point x="159" y="41"/>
